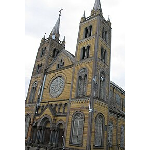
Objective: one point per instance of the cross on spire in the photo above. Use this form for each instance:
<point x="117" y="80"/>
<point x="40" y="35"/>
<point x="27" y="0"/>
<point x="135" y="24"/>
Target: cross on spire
<point x="60" y="12"/>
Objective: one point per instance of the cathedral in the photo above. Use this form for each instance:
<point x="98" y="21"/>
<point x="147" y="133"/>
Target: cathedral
<point x="71" y="103"/>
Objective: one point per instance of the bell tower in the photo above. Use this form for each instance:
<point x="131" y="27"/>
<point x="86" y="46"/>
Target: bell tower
<point x="48" y="50"/>
<point x="90" y="81"/>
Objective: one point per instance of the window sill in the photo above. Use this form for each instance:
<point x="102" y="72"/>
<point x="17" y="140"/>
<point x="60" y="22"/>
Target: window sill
<point x="77" y="145"/>
<point x="98" y="147"/>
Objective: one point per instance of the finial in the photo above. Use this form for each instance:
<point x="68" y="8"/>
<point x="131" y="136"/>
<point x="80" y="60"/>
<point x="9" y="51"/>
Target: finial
<point x="108" y="18"/>
<point x="60" y="12"/>
<point x="84" y="14"/>
<point x="44" y="35"/>
<point x="64" y="39"/>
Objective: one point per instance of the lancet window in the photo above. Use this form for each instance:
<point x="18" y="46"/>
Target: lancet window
<point x="85" y="52"/>
<point x="32" y="93"/>
<point x="82" y="82"/>
<point x="88" y="31"/>
<point x="103" y="55"/>
<point x="99" y="130"/>
<point x="77" y="128"/>
<point x="27" y="123"/>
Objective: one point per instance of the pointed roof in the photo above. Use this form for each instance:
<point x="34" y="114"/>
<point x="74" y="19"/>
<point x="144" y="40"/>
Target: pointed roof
<point x="66" y="55"/>
<point x="97" y="5"/>
<point x="56" y="27"/>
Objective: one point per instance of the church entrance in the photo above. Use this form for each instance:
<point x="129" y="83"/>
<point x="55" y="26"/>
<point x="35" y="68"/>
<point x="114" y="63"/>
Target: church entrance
<point x="46" y="133"/>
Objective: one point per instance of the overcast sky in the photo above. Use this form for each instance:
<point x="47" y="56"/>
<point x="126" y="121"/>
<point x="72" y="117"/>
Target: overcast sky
<point x="41" y="16"/>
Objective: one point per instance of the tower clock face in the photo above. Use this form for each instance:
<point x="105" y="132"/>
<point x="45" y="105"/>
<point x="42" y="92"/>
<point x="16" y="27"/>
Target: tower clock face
<point x="57" y="86"/>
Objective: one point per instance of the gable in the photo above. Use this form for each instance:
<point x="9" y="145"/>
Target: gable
<point x="63" y="60"/>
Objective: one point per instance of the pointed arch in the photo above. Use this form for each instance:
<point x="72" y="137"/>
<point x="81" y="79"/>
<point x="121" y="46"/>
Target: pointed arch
<point x="99" y="130"/>
<point x="76" y="135"/>
<point x="44" y="119"/>
<point x="33" y="91"/>
<point x="43" y="129"/>
<point x="82" y="82"/>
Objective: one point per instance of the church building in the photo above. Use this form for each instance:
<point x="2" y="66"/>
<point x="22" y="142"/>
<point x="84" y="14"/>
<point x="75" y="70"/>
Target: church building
<point x="71" y="103"/>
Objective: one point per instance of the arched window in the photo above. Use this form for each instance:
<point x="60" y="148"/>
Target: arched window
<point x="88" y="31"/>
<point x="32" y="93"/>
<point x="55" y="53"/>
<point x="85" y="52"/>
<point x="110" y="133"/>
<point x="77" y="128"/>
<point x="99" y="130"/>
<point x="82" y="82"/>
<point x="103" y="33"/>
<point x="122" y="136"/>
<point x="43" y="52"/>
<point x="106" y="36"/>
<point x="39" y="68"/>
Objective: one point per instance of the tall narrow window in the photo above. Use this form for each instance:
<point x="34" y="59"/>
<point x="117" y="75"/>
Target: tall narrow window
<point x="88" y="31"/>
<point x="79" y="86"/>
<point x="32" y="93"/>
<point x="85" y="52"/>
<point x="82" y="83"/>
<point x="55" y="53"/>
<point x="77" y="128"/>
<point x="39" y="68"/>
<point x="110" y="133"/>
<point x="103" y="55"/>
<point x="43" y="52"/>
<point x="122" y="136"/>
<point x="106" y="35"/>
<point x="103" y="33"/>
<point x="102" y="86"/>
<point x="99" y="130"/>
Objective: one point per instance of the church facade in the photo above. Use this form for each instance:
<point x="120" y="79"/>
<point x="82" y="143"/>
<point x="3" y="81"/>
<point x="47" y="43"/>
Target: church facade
<point x="71" y="103"/>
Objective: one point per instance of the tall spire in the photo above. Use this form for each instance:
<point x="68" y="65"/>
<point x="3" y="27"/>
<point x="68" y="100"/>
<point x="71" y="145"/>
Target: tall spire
<point x="97" y="5"/>
<point x="56" y="27"/>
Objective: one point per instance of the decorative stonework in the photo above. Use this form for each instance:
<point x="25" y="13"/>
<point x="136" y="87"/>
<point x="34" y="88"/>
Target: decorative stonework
<point x="57" y="86"/>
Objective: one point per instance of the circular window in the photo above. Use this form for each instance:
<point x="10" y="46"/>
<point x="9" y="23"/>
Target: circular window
<point x="57" y="86"/>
